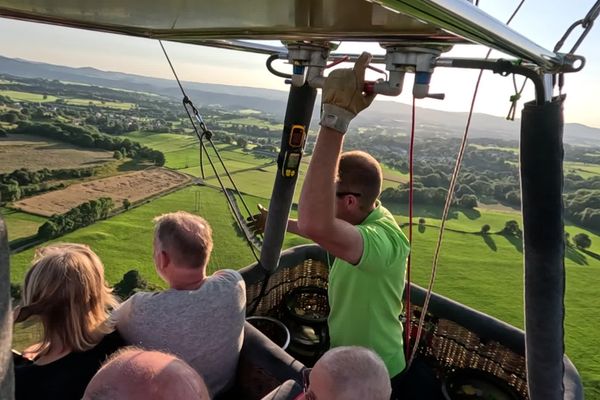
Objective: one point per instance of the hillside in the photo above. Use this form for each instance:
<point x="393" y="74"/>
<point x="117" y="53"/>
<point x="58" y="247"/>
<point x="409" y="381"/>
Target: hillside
<point x="382" y="113"/>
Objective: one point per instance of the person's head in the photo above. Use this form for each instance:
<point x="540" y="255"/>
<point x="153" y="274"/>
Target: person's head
<point x="66" y="291"/>
<point x="135" y="374"/>
<point x="358" y="185"/>
<point x="182" y="246"/>
<point x="348" y="373"/>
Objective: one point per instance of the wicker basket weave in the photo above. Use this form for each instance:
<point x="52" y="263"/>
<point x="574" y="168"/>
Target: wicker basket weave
<point x="445" y="343"/>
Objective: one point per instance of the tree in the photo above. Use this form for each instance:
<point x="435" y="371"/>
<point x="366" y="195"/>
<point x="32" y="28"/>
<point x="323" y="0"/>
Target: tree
<point x="468" y="201"/>
<point x="48" y="230"/>
<point x="511" y="228"/>
<point x="422" y="221"/>
<point x="242" y="142"/>
<point x="159" y="158"/>
<point x="513" y="198"/>
<point x="131" y="283"/>
<point x="582" y="241"/>
<point x="117" y="155"/>
<point x="485" y="229"/>
<point x="126" y="204"/>
<point x="10" y="191"/>
<point x="9" y="117"/>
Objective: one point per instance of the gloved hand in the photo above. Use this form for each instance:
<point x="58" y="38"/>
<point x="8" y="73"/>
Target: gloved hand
<point x="257" y="222"/>
<point x="343" y="95"/>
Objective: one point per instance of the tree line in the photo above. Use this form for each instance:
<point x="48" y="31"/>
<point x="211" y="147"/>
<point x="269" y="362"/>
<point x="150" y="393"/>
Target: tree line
<point x="83" y="215"/>
<point x="86" y="137"/>
<point x="23" y="182"/>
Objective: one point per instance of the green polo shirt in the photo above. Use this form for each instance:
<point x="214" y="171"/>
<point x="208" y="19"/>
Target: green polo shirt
<point x="366" y="298"/>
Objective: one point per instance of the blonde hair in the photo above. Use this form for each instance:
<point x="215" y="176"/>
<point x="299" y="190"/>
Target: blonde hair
<point x="187" y="237"/>
<point x="66" y="291"/>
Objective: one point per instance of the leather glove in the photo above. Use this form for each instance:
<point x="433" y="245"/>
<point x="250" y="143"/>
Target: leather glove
<point x="257" y="222"/>
<point x="343" y="95"/>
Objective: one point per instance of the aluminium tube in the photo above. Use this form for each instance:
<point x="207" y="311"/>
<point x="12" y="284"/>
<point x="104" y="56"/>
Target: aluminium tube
<point x="301" y="101"/>
<point x="464" y="19"/>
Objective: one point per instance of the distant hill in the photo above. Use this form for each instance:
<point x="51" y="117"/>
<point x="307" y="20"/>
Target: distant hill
<point x="382" y="113"/>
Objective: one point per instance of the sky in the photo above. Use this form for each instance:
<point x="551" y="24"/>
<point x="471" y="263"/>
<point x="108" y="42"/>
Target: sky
<point x="543" y="21"/>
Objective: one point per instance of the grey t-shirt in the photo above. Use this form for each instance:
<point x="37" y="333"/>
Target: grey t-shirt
<point x="204" y="327"/>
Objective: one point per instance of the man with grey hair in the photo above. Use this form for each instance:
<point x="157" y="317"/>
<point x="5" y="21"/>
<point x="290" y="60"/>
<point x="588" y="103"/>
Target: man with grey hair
<point x="135" y="374"/>
<point x="348" y="373"/>
<point x="199" y="318"/>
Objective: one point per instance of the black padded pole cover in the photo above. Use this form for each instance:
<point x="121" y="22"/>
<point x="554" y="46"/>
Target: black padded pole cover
<point x="300" y="105"/>
<point x="6" y="366"/>
<point x="544" y="248"/>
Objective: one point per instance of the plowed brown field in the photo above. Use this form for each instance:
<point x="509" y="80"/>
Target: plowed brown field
<point x="134" y="186"/>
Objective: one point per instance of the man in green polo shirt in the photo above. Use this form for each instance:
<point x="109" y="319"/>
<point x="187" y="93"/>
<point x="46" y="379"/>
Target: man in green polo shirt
<point x="339" y="210"/>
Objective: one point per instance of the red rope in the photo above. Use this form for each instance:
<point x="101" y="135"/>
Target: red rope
<point x="448" y="202"/>
<point x="407" y="332"/>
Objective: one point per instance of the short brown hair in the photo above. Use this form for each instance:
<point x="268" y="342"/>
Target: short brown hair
<point x="360" y="172"/>
<point x="188" y="238"/>
<point x="65" y="289"/>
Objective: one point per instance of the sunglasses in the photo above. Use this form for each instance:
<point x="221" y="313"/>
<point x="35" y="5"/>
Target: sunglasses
<point x="308" y="394"/>
<point x="342" y="194"/>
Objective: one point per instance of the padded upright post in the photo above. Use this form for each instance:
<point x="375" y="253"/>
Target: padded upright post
<point x="544" y="248"/>
<point x="6" y="366"/>
<point x="300" y="105"/>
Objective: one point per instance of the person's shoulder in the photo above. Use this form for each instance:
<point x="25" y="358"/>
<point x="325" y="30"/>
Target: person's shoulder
<point x="141" y="298"/>
<point x="386" y="222"/>
<point x="226" y="281"/>
<point x="110" y="343"/>
<point x="228" y="275"/>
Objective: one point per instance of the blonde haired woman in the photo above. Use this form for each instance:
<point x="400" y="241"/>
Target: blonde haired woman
<point x="65" y="291"/>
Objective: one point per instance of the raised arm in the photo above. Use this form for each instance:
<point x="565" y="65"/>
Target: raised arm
<point x="342" y="100"/>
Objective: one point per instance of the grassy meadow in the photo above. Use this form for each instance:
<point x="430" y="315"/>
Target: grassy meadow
<point x="182" y="153"/>
<point x="19" y="224"/>
<point x="41" y="98"/>
<point x="26" y="96"/>
<point x="585" y="170"/>
<point x="98" y="103"/>
<point x="483" y="272"/>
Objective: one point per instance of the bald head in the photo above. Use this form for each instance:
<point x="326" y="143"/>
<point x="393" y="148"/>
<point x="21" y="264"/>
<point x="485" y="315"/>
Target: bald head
<point x="350" y="373"/>
<point x="135" y="374"/>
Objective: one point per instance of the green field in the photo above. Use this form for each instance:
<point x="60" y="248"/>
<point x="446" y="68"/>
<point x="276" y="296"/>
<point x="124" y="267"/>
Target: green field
<point x="124" y="241"/>
<point x="19" y="224"/>
<point x="254" y="121"/>
<point x="470" y="266"/>
<point x="485" y="273"/>
<point x="182" y="153"/>
<point x="482" y="147"/>
<point x="585" y="170"/>
<point x="25" y="96"/>
<point x="249" y="111"/>
<point x="392" y="177"/>
<point x="98" y="103"/>
<point x="39" y="98"/>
